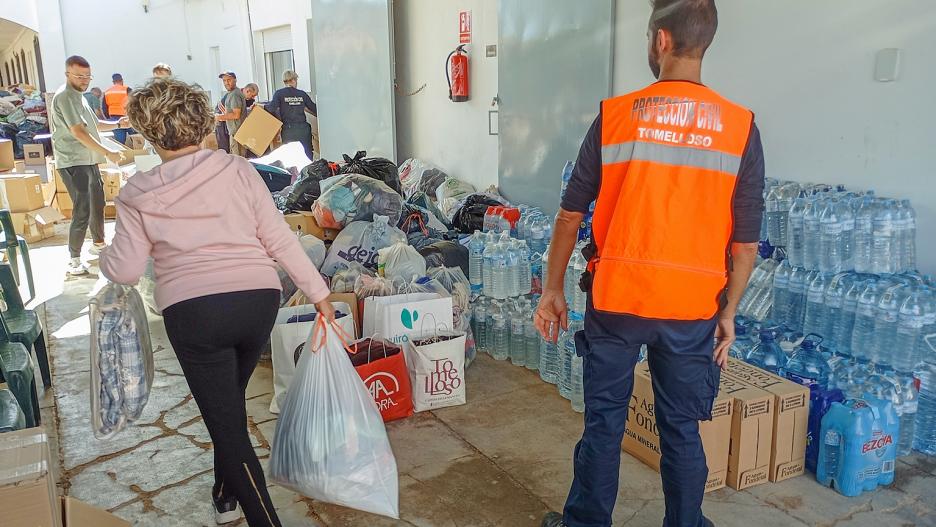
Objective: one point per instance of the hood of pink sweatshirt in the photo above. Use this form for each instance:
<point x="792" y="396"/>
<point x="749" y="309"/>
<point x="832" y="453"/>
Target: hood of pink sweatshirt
<point x="169" y="189"/>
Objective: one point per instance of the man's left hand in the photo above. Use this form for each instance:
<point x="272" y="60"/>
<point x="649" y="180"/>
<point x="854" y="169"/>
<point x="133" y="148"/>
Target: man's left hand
<point x="724" y="338"/>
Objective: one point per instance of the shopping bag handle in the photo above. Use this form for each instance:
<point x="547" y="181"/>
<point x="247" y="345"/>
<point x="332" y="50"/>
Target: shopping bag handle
<point x="320" y="334"/>
<point x="422" y="327"/>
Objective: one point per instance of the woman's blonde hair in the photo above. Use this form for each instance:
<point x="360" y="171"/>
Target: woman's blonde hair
<point x="170" y="113"/>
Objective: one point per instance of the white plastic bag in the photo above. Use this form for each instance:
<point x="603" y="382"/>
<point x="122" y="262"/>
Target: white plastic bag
<point x="288" y="339"/>
<point x="122" y="365"/>
<point x="400" y="261"/>
<point x="147" y="287"/>
<point x="347" y="275"/>
<point x="314" y="249"/>
<point x="359" y="242"/>
<point x="330" y="442"/>
<point x="450" y="193"/>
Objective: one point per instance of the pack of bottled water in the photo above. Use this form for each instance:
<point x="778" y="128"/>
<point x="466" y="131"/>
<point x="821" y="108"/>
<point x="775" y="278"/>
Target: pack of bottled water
<point x="499" y="266"/>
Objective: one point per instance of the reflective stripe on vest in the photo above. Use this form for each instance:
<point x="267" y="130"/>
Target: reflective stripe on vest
<point x="116" y="100"/>
<point x="663" y="218"/>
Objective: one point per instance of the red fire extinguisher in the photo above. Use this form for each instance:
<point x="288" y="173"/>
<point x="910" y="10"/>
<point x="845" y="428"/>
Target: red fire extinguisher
<point x="458" y="80"/>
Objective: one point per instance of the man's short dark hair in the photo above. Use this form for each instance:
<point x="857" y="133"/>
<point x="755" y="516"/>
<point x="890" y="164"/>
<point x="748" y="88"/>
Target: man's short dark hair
<point x="692" y="23"/>
<point x="76" y="60"/>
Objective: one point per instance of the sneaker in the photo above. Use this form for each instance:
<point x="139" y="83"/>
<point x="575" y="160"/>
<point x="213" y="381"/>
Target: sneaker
<point x="76" y="268"/>
<point x="226" y="510"/>
<point x="553" y="519"/>
<point x="97" y="248"/>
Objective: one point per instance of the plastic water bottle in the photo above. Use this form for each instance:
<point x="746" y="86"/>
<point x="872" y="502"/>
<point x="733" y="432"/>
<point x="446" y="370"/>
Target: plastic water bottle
<point x="743" y="342"/>
<point x="807" y="366"/>
<point x="795" y="231"/>
<point x="847" y="215"/>
<point x="499" y="272"/>
<point x="566" y="350"/>
<point x="924" y="439"/>
<point x="911" y="319"/>
<point x="883" y="239"/>
<point x="834" y="303"/>
<point x="538" y="237"/>
<point x="778" y="203"/>
<point x="481" y="324"/>
<point x="781" y="291"/>
<point x="864" y="234"/>
<point x="536" y="273"/>
<point x="501" y="331"/>
<point x="845" y="322"/>
<point x="812" y="231"/>
<point x="907" y="243"/>
<point x="759" y="285"/>
<point x="531" y="342"/>
<point x="885" y="326"/>
<point x="865" y="311"/>
<point x="476" y="262"/>
<point x="487" y="259"/>
<point x="525" y="269"/>
<point x="549" y="361"/>
<point x="815" y="317"/>
<point x="579" y="298"/>
<point x="831" y="241"/>
<point x="517" y="346"/>
<point x="767" y="354"/>
<point x="797" y="291"/>
<point x="910" y="397"/>
<point x="513" y="268"/>
<point x="578" y="384"/>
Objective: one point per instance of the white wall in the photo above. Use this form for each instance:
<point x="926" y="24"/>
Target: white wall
<point x="806" y="69"/>
<point x="24" y="42"/>
<point x="119" y="37"/>
<point x="266" y="14"/>
<point x="453" y="136"/>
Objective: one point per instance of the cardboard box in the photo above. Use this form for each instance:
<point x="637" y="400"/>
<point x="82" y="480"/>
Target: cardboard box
<point x="112" y="179"/>
<point x="27" y="492"/>
<point x="34" y="154"/>
<point x="36" y="225"/>
<point x="21" y="192"/>
<point x="304" y="222"/>
<point x="791" y="418"/>
<point x="258" y="130"/>
<point x="210" y="142"/>
<point x="79" y="514"/>
<point x="6" y="155"/>
<point x="110" y="211"/>
<point x="63" y="204"/>
<point x="54" y="176"/>
<point x="642" y="440"/>
<point x="751" y="433"/>
<point x="19" y="166"/>
<point x="136" y="141"/>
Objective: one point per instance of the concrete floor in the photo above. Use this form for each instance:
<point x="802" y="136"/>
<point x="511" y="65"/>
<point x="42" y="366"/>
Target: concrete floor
<point x="504" y="459"/>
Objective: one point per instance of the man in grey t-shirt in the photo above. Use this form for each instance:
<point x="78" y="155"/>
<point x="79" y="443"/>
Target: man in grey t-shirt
<point x="78" y="151"/>
<point x="233" y="108"/>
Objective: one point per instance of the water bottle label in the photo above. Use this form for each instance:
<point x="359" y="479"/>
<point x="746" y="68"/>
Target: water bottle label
<point x="815" y="296"/>
<point x="848" y="225"/>
<point x="805" y="381"/>
<point x="832" y="229"/>
<point x="887" y="467"/>
<point x="832" y="438"/>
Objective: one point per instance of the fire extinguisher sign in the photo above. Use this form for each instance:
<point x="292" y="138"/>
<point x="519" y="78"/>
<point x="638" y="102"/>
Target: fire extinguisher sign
<point x="464" y="27"/>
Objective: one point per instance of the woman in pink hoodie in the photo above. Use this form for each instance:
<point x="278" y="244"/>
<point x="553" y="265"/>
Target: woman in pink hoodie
<point x="209" y="223"/>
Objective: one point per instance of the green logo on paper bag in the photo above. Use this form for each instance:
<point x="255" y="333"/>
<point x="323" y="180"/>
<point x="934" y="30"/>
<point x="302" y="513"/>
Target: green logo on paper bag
<point x="409" y="318"/>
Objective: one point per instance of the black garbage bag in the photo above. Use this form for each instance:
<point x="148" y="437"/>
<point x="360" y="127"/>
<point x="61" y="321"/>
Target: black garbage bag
<point x="303" y="193"/>
<point x="445" y="253"/>
<point x="470" y="217"/>
<point x="379" y="168"/>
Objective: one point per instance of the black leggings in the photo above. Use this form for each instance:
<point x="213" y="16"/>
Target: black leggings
<point x="218" y="339"/>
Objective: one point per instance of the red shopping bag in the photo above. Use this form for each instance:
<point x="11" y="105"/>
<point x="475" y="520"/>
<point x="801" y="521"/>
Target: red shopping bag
<point x="382" y="367"/>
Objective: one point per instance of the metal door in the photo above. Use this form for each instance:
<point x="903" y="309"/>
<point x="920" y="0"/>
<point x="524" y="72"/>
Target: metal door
<point x="352" y="43"/>
<point x="553" y="71"/>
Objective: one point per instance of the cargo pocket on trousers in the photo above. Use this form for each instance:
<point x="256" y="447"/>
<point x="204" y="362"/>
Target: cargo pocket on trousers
<point x="708" y="391"/>
<point x="581" y="344"/>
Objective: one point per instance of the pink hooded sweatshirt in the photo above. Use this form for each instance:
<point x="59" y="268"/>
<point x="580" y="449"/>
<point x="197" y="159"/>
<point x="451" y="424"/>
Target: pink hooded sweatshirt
<point x="211" y="227"/>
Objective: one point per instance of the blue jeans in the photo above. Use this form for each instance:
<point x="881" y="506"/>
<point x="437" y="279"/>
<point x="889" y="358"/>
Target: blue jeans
<point x="685" y="383"/>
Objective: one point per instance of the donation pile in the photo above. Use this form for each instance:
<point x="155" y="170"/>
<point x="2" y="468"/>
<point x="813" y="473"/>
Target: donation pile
<point x="23" y="115"/>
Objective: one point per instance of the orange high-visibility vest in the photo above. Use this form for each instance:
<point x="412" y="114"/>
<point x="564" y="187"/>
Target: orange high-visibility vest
<point x="663" y="218"/>
<point x="115" y="98"/>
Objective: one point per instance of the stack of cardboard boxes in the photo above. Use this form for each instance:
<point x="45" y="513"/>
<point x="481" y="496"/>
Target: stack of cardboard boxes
<point x="21" y="192"/>
<point x="757" y="432"/>
<point x="28" y="492"/>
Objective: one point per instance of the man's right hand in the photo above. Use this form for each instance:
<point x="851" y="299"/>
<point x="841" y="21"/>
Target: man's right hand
<point x="114" y="157"/>
<point x="551" y="314"/>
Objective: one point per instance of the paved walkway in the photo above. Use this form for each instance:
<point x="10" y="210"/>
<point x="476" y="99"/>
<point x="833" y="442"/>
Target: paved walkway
<point x="501" y="460"/>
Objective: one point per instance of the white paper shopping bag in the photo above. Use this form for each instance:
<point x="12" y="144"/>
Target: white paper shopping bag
<point x="288" y="339"/>
<point x="398" y="317"/>
<point x="436" y="365"/>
